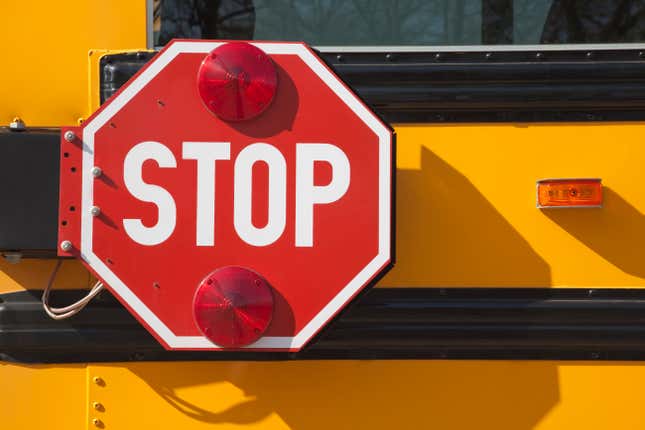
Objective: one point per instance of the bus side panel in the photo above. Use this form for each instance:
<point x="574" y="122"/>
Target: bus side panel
<point x="44" y="67"/>
<point x="501" y="395"/>
<point x="467" y="216"/>
<point x="43" y="397"/>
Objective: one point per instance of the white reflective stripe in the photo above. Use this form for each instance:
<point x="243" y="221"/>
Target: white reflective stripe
<point x="132" y="177"/>
<point x="482" y="48"/>
<point x="206" y="154"/>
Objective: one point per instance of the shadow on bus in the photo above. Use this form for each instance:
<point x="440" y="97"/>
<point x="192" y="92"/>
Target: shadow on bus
<point x="616" y="231"/>
<point x="449" y="234"/>
<point x="354" y="394"/>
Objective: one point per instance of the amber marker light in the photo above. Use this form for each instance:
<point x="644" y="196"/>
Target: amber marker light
<point x="569" y="193"/>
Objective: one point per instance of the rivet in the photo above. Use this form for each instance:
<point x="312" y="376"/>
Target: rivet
<point x="97" y="406"/>
<point x="95" y="211"/>
<point x="97" y="422"/>
<point x="489" y="55"/>
<point x="589" y="55"/>
<point x="66" y="245"/>
<point x="539" y="55"/>
<point x="69" y="136"/>
<point x="98" y="380"/>
<point x="437" y="56"/>
<point x="96" y="171"/>
<point x="340" y="58"/>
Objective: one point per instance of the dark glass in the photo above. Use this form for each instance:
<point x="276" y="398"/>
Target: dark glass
<point x="403" y="22"/>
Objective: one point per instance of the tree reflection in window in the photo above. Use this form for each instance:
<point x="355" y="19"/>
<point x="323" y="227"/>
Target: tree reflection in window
<point x="403" y="22"/>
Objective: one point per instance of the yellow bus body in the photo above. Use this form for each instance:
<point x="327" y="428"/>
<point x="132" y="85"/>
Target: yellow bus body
<point x="451" y="180"/>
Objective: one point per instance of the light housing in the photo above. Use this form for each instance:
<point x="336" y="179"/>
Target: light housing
<point x="237" y="81"/>
<point x="233" y="306"/>
<point x="569" y="193"/>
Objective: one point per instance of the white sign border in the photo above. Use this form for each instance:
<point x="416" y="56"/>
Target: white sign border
<point x="201" y="342"/>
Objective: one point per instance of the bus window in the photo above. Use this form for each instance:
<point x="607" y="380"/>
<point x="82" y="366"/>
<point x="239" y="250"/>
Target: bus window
<point x="403" y="22"/>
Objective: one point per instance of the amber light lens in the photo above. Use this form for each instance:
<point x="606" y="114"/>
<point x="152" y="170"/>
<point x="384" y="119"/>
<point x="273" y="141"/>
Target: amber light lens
<point x="569" y="193"/>
<point x="237" y="81"/>
<point x="233" y="306"/>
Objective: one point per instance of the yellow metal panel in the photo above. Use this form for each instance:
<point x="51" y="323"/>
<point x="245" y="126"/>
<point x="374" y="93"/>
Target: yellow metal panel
<point x="466" y="212"/>
<point x="42" y="397"/>
<point x="34" y="274"/>
<point x="500" y="395"/>
<point x="44" y="56"/>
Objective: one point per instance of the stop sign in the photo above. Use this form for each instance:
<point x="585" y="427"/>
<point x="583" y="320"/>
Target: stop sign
<point x="161" y="198"/>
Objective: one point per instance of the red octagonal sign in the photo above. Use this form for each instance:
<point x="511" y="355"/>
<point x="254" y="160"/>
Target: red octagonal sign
<point x="228" y="205"/>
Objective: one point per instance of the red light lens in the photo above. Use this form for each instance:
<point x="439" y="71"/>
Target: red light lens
<point x="233" y="306"/>
<point x="237" y="81"/>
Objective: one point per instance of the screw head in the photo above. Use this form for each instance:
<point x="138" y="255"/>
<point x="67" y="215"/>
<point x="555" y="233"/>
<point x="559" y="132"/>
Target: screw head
<point x="66" y="245"/>
<point x="69" y="136"/>
<point x="95" y="211"/>
<point x="96" y="171"/>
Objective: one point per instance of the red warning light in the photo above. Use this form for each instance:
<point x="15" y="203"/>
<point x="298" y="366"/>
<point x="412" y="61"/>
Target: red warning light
<point x="237" y="81"/>
<point x="233" y="306"/>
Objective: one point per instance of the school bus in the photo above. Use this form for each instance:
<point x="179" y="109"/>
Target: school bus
<point x="498" y="314"/>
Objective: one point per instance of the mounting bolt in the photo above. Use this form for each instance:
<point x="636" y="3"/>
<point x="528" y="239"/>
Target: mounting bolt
<point x="69" y="136"/>
<point x="97" y="406"/>
<point x="17" y="125"/>
<point x="96" y="171"/>
<point x="12" y="257"/>
<point x="97" y="423"/>
<point x="66" y="245"/>
<point x="95" y="211"/>
<point x="98" y="380"/>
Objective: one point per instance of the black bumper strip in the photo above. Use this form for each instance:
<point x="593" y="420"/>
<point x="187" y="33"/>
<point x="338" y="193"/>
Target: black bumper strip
<point x="506" y="86"/>
<point x="401" y="323"/>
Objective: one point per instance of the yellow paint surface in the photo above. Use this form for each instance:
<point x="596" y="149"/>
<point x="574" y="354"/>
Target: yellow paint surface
<point x="466" y="212"/>
<point x="42" y="397"/>
<point x="44" y="54"/>
<point x="34" y="275"/>
<point x="500" y="395"/>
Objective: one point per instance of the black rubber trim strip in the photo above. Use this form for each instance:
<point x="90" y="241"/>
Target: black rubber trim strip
<point x="401" y="323"/>
<point x="526" y="86"/>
